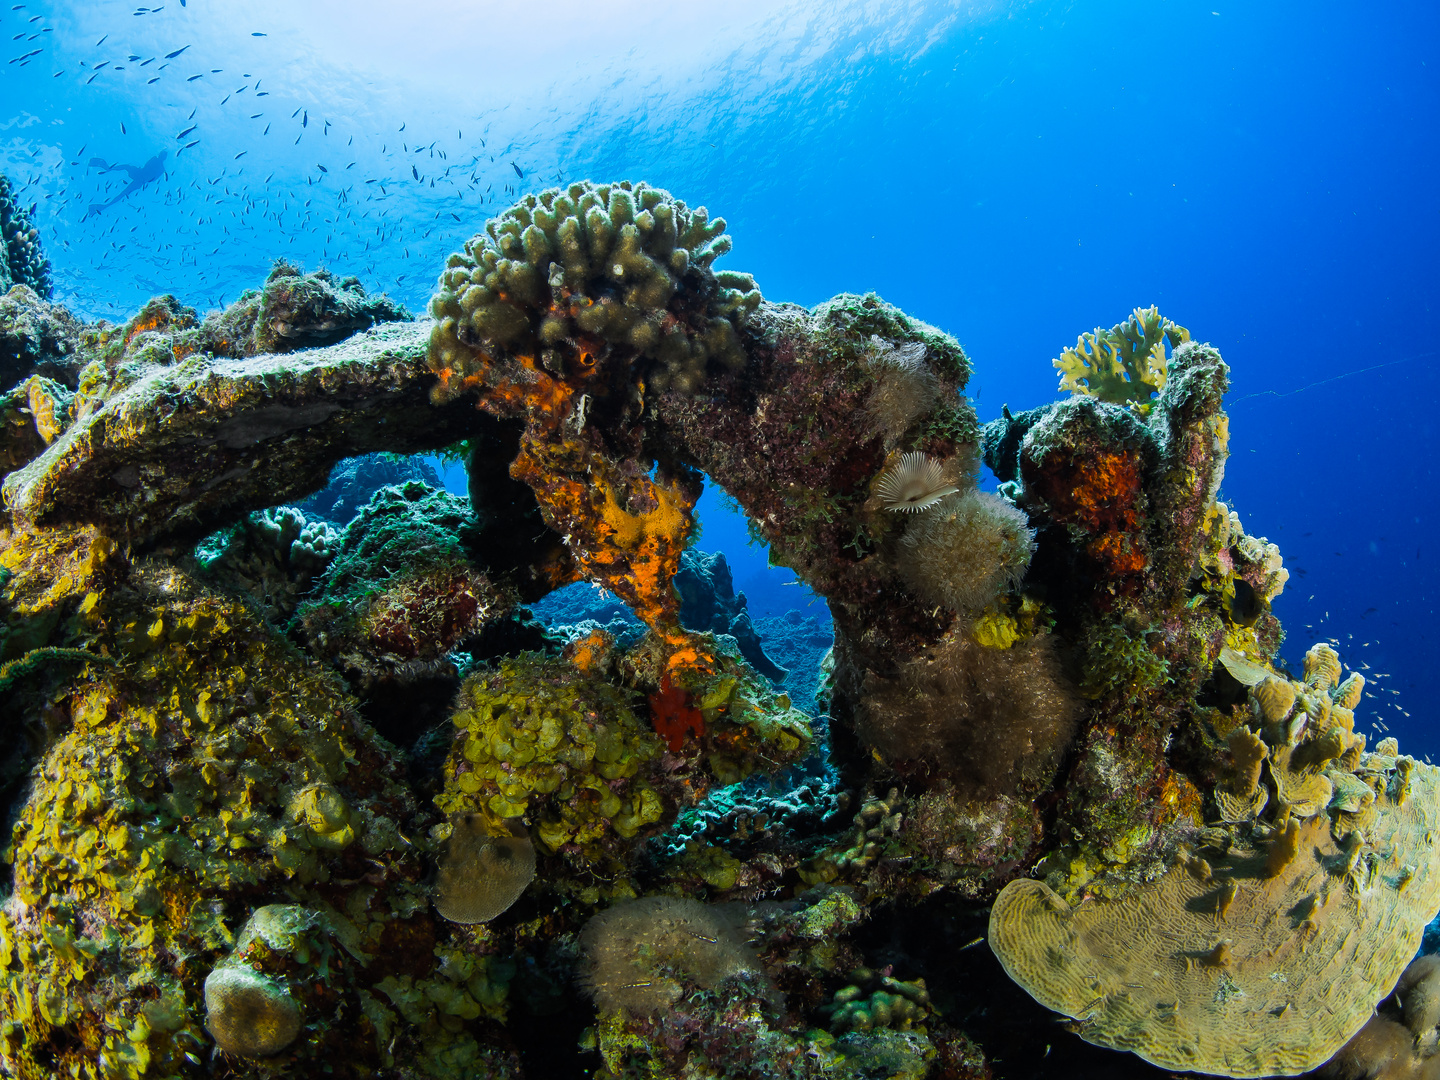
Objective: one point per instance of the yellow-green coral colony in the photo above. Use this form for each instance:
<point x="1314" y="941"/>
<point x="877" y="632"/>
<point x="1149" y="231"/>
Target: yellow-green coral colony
<point x="1125" y="364"/>
<point x="624" y="264"/>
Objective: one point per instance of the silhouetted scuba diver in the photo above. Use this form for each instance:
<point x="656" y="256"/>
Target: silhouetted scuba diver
<point x="140" y="175"/>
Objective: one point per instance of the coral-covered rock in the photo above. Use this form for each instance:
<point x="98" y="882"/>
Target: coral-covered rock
<point x="37" y="338"/>
<point x="188" y="447"/>
<point x="295" y="310"/>
<point x="708" y="602"/>
<point x="401" y="590"/>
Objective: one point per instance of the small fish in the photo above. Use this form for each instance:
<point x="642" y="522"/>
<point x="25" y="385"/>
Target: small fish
<point x="266" y="131"/>
<point x="254" y="33"/>
<point x="518" y="171"/>
<point x="323" y="169"/>
<point x="256" y="116"/>
<point x="150" y="61"/>
<point x="170" y="55"/>
<point x="100" y="65"/>
<point x="294" y="114"/>
<point x="305" y="120"/>
<point x="415" y="172"/>
<point x="192" y="78"/>
<point x="225" y="99"/>
<point x="122" y="128"/>
<point x="97" y="44"/>
<point x="241" y="154"/>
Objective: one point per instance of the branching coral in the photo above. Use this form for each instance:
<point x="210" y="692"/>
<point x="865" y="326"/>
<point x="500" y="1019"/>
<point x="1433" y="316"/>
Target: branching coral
<point x="1124" y="365"/>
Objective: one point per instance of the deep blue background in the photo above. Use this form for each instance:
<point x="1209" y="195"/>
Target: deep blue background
<point x="1014" y="174"/>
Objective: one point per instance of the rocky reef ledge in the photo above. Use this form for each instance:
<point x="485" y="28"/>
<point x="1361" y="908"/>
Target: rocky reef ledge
<point x="285" y="795"/>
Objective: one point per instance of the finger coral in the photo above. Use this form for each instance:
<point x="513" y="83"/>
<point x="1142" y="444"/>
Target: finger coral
<point x="22" y="261"/>
<point x="582" y="277"/>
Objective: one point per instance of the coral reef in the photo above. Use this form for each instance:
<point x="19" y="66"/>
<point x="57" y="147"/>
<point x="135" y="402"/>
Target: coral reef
<point x="353" y="481"/>
<point x="401" y="590"/>
<point x="708" y="602"/>
<point x="22" y="262"/>
<point x="186" y="448"/>
<point x="273" y="555"/>
<point x="1343" y="877"/>
<point x="300" y="790"/>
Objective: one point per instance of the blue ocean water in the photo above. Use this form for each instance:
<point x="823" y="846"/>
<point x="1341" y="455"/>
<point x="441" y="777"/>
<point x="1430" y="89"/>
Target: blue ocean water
<point x="1014" y="173"/>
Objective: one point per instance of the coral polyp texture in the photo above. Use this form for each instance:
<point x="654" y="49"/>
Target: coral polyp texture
<point x="290" y="790"/>
<point x="22" y="262"/>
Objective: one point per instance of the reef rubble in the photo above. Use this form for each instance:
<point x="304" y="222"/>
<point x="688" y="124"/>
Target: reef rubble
<point x="293" y="782"/>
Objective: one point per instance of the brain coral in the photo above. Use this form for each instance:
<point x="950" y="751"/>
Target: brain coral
<point x="1256" y="963"/>
<point x="569" y="276"/>
<point x="248" y="1013"/>
<point x="483" y="874"/>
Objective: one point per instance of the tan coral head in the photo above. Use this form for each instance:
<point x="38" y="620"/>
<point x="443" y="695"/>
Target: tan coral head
<point x="915" y="482"/>
<point x="483" y="874"/>
<point x="249" y="1014"/>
